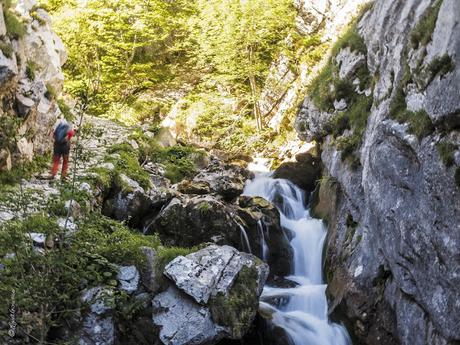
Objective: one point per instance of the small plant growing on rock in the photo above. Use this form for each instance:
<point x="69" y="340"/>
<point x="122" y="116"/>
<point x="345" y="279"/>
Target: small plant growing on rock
<point x="446" y="152"/>
<point x="15" y="28"/>
<point x="31" y="68"/>
<point x="6" y="49"/>
<point x="423" y="31"/>
<point x="50" y="92"/>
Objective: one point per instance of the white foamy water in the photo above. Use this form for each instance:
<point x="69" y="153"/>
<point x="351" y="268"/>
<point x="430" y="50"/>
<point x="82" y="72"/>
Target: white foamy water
<point x="304" y="316"/>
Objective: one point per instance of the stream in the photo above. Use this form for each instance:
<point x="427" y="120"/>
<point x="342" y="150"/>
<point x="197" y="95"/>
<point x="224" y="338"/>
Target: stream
<point x="302" y="312"/>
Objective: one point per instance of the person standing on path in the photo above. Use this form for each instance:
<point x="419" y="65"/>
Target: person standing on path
<point x="62" y="135"/>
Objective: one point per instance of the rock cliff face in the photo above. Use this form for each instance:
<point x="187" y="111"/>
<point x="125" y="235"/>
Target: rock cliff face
<point x="31" y="56"/>
<point x="388" y="119"/>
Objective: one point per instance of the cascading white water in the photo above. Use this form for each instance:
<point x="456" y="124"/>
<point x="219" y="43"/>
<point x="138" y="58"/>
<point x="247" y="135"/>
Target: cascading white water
<point x="245" y="240"/>
<point x="304" y="316"/>
<point x="261" y="228"/>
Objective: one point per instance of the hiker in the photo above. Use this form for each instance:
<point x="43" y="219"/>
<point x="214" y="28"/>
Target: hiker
<point x="62" y="135"/>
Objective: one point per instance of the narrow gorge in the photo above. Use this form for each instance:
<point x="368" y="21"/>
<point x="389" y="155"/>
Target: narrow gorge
<point x="253" y="172"/>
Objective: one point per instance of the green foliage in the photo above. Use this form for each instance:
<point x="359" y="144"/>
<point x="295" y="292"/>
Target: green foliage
<point x="350" y="39"/>
<point x="31" y="68"/>
<point x="178" y="160"/>
<point x="50" y="92"/>
<point x="441" y="65"/>
<point x="6" y="49"/>
<point x="128" y="164"/>
<point x="33" y="13"/>
<point x="125" y="49"/>
<point x="421" y="35"/>
<point x="320" y="88"/>
<point x="348" y="145"/>
<point x="419" y="122"/>
<point x="65" y="110"/>
<point x="15" y="28"/>
<point x="113" y="241"/>
<point x="24" y="170"/>
<point x="446" y="151"/>
<point x="47" y="286"/>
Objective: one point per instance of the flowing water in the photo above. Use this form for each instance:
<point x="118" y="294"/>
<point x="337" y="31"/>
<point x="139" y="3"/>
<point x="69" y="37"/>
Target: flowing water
<point x="303" y="315"/>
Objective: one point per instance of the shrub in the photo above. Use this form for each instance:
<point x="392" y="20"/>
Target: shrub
<point x="47" y="286"/>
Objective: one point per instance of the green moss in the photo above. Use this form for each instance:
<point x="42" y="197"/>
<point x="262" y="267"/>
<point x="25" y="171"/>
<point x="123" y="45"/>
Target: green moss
<point x="204" y="207"/>
<point x="237" y="310"/>
<point x="423" y="31"/>
<point x="128" y="164"/>
<point x="179" y="161"/>
<point x="446" y="152"/>
<point x="113" y="241"/>
<point x="15" y="28"/>
<point x="101" y="177"/>
<point x="6" y="49"/>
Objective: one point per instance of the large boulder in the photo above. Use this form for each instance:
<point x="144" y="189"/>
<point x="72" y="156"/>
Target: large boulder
<point x="214" y="294"/>
<point x="189" y="221"/>
<point x="128" y="201"/>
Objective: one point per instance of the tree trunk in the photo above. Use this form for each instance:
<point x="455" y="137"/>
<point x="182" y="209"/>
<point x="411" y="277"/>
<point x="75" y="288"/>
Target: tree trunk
<point x="252" y="82"/>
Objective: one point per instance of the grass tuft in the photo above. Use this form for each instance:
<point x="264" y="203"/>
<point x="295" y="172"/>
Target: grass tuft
<point x="423" y="31"/>
<point x="15" y="28"/>
<point x="6" y="49"/>
<point x="446" y="152"/>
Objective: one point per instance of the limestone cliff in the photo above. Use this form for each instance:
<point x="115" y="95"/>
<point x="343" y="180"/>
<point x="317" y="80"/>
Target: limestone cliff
<point x="386" y="110"/>
<point x="31" y="56"/>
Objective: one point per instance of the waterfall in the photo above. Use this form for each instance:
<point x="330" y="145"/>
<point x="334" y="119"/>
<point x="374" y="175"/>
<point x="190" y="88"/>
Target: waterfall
<point x="304" y="316"/>
<point x="261" y="228"/>
<point x="244" y="240"/>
